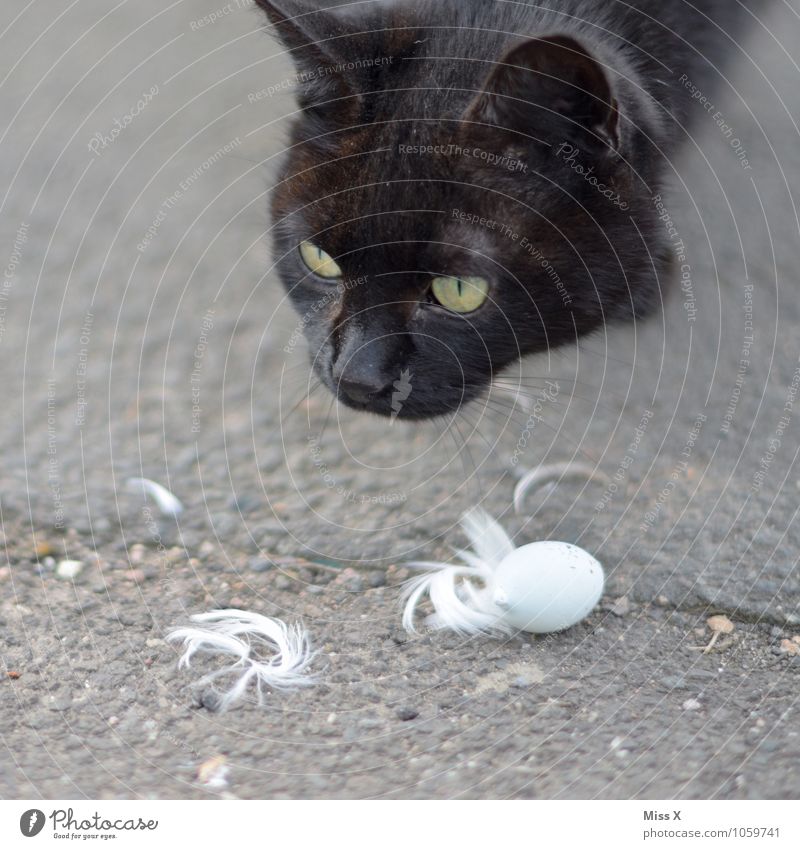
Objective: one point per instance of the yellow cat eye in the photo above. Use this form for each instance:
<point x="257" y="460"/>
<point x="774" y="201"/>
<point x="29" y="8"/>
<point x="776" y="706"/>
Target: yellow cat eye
<point x="321" y="263"/>
<point x="460" y="294"/>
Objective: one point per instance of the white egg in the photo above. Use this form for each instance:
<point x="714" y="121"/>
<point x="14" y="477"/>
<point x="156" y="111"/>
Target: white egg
<point x="547" y="586"/>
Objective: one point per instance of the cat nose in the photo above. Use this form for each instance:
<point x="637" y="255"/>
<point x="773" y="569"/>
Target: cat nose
<point x="359" y="377"/>
<point x="362" y="365"/>
<point x="361" y="391"/>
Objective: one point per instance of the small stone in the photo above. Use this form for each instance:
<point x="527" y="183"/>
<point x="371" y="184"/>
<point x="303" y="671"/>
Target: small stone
<point x="137" y="553"/>
<point x="692" y="704"/>
<point x="69" y="569"/>
<point x="355" y="585"/>
<point x="43" y="549"/>
<point x="176" y="555"/>
<point x="282" y="582"/>
<point x="377" y="579"/>
<point x="13" y="674"/>
<point x="213" y="772"/>
<point x="244" y="503"/>
<point x="135" y="575"/>
<point x="209" y="699"/>
<point x="60" y="703"/>
<point x="790" y="647"/>
<point x="621" y="606"/>
<point x="406" y="713"/>
<point x="259" y="564"/>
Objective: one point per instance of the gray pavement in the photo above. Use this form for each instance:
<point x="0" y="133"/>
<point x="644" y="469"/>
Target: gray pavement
<point x="142" y="334"/>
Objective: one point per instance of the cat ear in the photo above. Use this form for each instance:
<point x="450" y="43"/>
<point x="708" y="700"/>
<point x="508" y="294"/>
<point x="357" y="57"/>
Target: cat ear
<point x="551" y="82"/>
<point x="316" y="39"/>
<point x="301" y="28"/>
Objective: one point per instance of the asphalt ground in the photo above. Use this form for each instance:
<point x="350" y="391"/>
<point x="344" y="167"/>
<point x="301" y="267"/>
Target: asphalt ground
<point x="142" y="333"/>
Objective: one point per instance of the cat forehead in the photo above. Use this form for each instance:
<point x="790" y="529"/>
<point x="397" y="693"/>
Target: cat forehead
<point x="408" y="155"/>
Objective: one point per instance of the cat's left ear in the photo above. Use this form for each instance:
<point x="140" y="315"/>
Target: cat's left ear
<point x="551" y="82"/>
<point x="304" y="30"/>
<point x="320" y="43"/>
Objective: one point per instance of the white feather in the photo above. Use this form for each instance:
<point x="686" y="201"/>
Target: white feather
<point x="461" y="593"/>
<point x="250" y="638"/>
<point x="166" y="502"/>
<point x="490" y="541"/>
<point x="555" y="471"/>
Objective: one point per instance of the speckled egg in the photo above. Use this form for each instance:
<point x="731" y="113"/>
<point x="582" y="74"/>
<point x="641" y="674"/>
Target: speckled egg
<point x="547" y="586"/>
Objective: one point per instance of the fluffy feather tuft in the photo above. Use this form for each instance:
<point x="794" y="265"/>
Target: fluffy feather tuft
<point x="461" y="593"/>
<point x="491" y="543"/>
<point x="268" y="652"/>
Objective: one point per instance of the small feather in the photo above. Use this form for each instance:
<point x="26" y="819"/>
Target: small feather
<point x="461" y="593"/>
<point x="246" y="636"/>
<point x="491" y="543"/>
<point x="555" y="471"/>
<point x="166" y="502"/>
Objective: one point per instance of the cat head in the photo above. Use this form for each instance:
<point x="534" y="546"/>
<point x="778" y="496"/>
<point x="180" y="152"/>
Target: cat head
<point x="452" y="199"/>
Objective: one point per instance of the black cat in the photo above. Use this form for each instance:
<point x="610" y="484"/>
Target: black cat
<point x="470" y="181"/>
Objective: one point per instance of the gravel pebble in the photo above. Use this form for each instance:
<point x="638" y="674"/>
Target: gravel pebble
<point x="406" y="713"/>
<point x="69" y="569"/>
<point x="377" y="579"/>
<point x="259" y="564"/>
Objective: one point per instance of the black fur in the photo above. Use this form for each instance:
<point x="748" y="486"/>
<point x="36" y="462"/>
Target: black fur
<point x="581" y="105"/>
